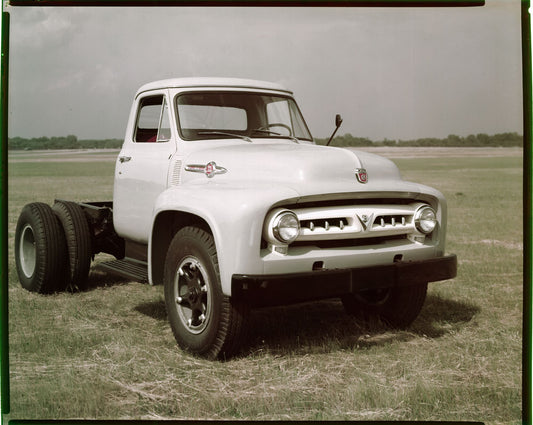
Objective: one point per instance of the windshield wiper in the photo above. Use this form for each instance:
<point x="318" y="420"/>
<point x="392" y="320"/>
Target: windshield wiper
<point x="262" y="130"/>
<point x="223" y="133"/>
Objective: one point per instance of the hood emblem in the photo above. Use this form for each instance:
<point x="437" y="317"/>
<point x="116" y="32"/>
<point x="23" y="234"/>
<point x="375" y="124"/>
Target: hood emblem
<point x="361" y="174"/>
<point x="210" y="169"/>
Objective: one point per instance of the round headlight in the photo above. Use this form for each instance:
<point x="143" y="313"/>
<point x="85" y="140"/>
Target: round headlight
<point x="286" y="227"/>
<point x="425" y="219"/>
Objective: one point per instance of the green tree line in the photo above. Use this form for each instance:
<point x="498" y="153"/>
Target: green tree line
<point x="478" y="140"/>
<point x="68" y="142"/>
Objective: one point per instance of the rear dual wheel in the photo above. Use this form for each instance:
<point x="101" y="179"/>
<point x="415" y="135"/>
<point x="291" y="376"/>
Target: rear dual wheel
<point x="40" y="249"/>
<point x="52" y="247"/>
<point x="79" y="243"/>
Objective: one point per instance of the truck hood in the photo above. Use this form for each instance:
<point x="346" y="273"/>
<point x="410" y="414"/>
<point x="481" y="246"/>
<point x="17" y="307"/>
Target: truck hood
<point x="305" y="168"/>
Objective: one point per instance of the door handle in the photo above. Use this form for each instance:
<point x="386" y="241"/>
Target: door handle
<point x="124" y="158"/>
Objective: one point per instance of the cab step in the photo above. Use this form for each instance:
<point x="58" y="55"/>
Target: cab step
<point x="128" y="268"/>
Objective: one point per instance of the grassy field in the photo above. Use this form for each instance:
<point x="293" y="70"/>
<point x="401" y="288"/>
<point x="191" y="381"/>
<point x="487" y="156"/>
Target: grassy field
<point x="108" y="353"/>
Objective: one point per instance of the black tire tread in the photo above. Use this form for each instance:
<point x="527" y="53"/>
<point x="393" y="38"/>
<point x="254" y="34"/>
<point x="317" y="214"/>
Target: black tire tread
<point x="79" y="242"/>
<point x="50" y="243"/>
<point x="231" y="325"/>
<point x="233" y="316"/>
<point x="399" y="311"/>
<point x="412" y="297"/>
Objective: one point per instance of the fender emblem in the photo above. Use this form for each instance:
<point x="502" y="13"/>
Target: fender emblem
<point x="361" y="174"/>
<point x="210" y="169"/>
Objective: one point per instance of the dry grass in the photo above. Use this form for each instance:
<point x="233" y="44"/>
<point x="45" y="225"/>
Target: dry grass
<point x="108" y="353"/>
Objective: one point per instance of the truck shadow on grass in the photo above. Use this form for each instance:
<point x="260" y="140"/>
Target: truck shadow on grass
<point x="156" y="310"/>
<point x="100" y="279"/>
<point x="324" y="326"/>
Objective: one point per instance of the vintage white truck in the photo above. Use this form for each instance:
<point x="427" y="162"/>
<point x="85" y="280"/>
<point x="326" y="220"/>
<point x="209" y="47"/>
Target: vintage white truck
<point x="222" y="196"/>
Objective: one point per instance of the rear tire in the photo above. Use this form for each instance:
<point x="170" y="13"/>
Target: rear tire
<point x="396" y="307"/>
<point x="79" y="243"/>
<point x="40" y="249"/>
<point x="204" y="321"/>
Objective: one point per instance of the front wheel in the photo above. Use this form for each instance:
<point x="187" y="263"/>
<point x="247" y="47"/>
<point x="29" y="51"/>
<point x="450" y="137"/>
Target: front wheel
<point x="398" y="307"/>
<point x="204" y="321"/>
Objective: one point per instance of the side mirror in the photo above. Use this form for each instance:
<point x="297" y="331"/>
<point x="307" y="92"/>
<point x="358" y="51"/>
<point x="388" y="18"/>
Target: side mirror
<point x="338" y="122"/>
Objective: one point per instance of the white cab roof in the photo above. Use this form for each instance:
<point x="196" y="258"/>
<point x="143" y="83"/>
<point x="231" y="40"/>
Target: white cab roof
<point x="197" y="82"/>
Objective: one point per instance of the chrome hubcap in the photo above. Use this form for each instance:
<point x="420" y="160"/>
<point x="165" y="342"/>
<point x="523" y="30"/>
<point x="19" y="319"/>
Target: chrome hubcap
<point x="192" y="295"/>
<point x="27" y="251"/>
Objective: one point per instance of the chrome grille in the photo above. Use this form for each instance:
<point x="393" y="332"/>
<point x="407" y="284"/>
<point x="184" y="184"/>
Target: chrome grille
<point x="355" y="221"/>
<point x="339" y="222"/>
<point x="392" y="220"/>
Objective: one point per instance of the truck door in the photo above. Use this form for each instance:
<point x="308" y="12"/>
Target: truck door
<point x="141" y="171"/>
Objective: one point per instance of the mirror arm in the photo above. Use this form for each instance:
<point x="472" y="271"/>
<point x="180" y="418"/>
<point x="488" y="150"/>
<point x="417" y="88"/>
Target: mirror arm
<point x="327" y="144"/>
<point x="338" y="121"/>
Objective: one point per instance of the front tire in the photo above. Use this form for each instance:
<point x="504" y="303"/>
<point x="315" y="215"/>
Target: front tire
<point x="397" y="307"/>
<point x="204" y="321"/>
<point x="40" y="249"/>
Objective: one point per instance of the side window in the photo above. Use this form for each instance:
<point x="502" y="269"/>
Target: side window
<point x="153" y="124"/>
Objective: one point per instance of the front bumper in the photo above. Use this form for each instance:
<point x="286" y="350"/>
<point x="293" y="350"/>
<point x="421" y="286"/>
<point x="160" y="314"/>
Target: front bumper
<point x="280" y="289"/>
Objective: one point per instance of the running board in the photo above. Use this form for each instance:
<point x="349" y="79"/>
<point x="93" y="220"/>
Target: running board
<point x="128" y="268"/>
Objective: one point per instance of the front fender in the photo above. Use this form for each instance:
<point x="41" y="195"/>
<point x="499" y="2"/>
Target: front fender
<point x="234" y="214"/>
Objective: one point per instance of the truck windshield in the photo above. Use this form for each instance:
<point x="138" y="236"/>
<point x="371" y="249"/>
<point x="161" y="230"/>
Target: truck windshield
<point x="208" y="115"/>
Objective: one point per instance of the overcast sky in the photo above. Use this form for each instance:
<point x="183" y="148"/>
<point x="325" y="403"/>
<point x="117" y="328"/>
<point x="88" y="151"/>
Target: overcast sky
<point x="396" y="73"/>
